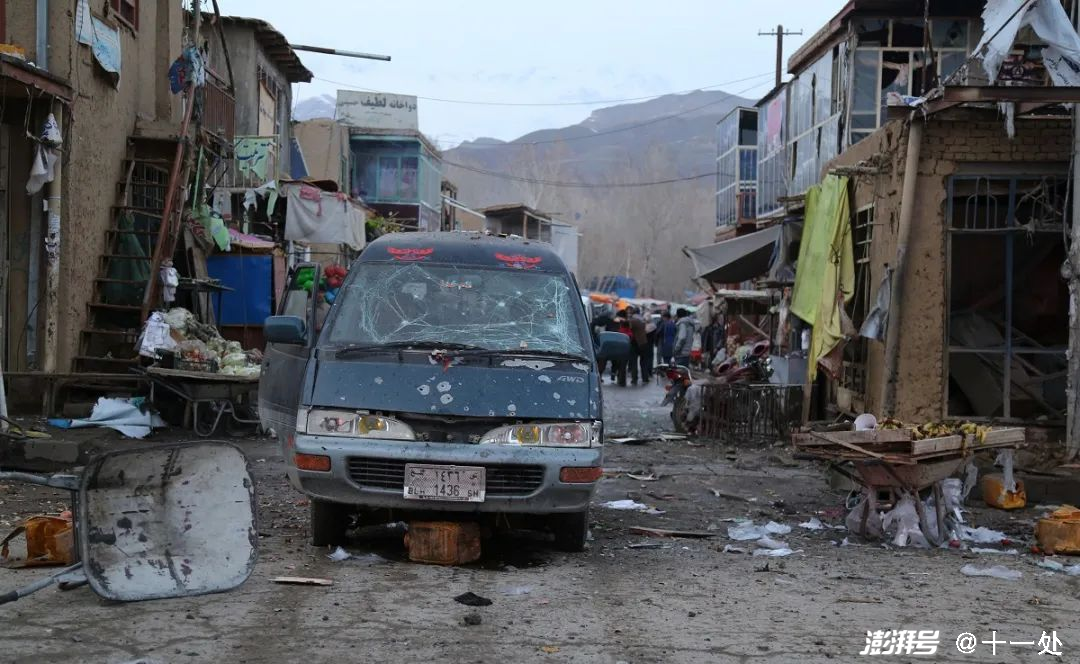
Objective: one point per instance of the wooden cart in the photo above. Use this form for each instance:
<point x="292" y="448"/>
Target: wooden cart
<point x="890" y="460"/>
<point x="209" y="397"/>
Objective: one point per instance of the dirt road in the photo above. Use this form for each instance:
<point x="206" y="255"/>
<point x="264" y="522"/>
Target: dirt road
<point x="682" y="601"/>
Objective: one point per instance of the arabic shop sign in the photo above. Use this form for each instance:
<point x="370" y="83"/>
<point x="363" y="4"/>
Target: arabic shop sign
<point x="377" y="110"/>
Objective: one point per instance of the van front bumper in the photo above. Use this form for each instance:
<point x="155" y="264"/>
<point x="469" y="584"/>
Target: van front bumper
<point x="370" y="473"/>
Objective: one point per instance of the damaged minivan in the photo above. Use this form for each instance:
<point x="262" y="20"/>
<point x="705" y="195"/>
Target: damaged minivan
<point x="455" y="372"/>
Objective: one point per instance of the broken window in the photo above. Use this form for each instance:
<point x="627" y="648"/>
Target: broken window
<point x="505" y="309"/>
<point x="890" y="58"/>
<point x="1008" y="306"/>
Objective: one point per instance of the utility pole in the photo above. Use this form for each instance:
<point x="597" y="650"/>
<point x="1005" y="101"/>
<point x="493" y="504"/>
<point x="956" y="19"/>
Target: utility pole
<point x="1071" y="272"/>
<point x="779" y="34"/>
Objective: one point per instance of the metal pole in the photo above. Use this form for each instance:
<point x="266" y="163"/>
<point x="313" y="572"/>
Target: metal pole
<point x="344" y="54"/>
<point x="52" y="256"/>
<point x="779" y="53"/>
<point x="903" y="236"/>
<point x="1071" y="272"/>
<point x="41" y="46"/>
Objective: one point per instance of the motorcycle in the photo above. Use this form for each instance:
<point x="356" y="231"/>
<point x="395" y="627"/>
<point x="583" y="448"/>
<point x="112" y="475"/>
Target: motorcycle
<point x="679" y="382"/>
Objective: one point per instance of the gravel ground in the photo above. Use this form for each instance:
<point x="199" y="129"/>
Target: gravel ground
<point x="629" y="598"/>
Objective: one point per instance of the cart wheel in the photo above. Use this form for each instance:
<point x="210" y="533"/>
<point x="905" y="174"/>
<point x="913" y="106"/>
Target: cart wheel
<point x="571" y="531"/>
<point x="238" y="429"/>
<point x="206" y="415"/>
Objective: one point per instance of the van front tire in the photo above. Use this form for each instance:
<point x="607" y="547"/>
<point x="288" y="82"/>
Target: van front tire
<point x="571" y="531"/>
<point x="329" y="521"/>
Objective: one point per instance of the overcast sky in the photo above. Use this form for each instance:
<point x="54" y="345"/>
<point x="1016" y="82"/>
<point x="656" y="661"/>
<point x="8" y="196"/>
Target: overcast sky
<point x="552" y="51"/>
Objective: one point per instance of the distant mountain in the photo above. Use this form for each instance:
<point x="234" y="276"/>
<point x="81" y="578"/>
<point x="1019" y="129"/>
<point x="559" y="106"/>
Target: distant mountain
<point x="312" y="108"/>
<point x="635" y="231"/>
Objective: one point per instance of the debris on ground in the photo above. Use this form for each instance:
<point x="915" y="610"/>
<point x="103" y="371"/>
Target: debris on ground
<point x="302" y="581"/>
<point x="443" y="542"/>
<point x="631" y="505"/>
<point x="1006" y="552"/>
<point x="996" y="571"/>
<point x="627" y="440"/>
<point x="339" y="555"/>
<point x="747" y="530"/>
<point x="128" y="416"/>
<point x="1071" y="570"/>
<point x="472" y="619"/>
<point x="472" y="599"/>
<point x="1060" y="532"/>
<point x="648" y="545"/>
<point x="733" y="549"/>
<point x="550" y="650"/>
<point x="731" y="496"/>
<point x="643" y="478"/>
<point x="663" y="532"/>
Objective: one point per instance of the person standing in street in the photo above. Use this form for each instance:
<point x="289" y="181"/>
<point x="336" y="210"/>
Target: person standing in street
<point x="684" y="337"/>
<point x="712" y="340"/>
<point x="639" y="341"/>
<point x="665" y="336"/>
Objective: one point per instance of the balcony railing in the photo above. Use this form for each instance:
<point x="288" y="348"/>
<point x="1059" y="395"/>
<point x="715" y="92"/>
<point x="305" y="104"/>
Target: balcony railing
<point x="219" y="109"/>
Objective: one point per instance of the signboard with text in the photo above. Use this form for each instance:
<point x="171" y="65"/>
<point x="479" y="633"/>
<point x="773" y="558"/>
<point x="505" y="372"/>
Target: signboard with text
<point x="377" y="110"/>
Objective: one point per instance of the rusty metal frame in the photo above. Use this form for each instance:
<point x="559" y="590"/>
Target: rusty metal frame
<point x="13" y="70"/>
<point x="1028" y="98"/>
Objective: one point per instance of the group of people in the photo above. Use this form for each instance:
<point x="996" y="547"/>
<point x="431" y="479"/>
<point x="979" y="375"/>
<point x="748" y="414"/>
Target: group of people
<point x="668" y="341"/>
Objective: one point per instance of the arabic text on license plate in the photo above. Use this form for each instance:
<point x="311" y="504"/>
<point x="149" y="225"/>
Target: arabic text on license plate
<point x="455" y="483"/>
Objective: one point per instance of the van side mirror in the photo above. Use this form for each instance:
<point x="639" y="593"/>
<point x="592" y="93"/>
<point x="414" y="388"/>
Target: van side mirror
<point x="285" y="330"/>
<point x="612" y="346"/>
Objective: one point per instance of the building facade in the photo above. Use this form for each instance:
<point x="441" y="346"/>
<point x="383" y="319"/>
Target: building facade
<point x="121" y="97"/>
<point x="736" y="169"/>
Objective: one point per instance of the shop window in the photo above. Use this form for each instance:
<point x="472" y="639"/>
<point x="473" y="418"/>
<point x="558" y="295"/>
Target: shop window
<point x="1008" y="307"/>
<point x="128" y="10"/>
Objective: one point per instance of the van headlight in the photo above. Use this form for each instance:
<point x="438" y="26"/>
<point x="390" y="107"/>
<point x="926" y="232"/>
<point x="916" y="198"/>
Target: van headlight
<point x="326" y="422"/>
<point x="555" y="434"/>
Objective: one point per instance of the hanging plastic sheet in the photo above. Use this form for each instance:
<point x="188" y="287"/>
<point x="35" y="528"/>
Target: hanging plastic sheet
<point x="106" y="49"/>
<point x="825" y="279"/>
<point x="877" y="320"/>
<point x="1003" y="19"/>
<point x="253" y="155"/>
<point x="322" y="217"/>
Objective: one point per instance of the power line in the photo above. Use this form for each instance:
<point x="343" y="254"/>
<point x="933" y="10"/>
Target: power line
<point x="578" y="185"/>
<point x="553" y="103"/>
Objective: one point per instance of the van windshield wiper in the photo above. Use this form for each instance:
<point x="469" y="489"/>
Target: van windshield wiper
<point x="526" y="352"/>
<point x="362" y="349"/>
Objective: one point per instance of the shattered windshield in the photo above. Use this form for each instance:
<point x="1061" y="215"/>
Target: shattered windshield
<point x="490" y="309"/>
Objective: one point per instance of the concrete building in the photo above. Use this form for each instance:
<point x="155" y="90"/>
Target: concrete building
<point x="263" y="68"/>
<point x="49" y="261"/>
<point x="523" y="221"/>
<point x="736" y="172"/>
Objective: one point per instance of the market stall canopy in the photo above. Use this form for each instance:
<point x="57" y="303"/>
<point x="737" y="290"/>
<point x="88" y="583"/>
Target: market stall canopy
<point x="736" y="260"/>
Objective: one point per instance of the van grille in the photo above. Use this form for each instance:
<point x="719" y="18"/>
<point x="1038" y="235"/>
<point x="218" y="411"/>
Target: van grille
<point x="501" y="479"/>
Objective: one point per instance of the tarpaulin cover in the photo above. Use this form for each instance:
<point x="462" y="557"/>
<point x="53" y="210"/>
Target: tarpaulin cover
<point x="134" y="269"/>
<point x="736" y="260"/>
<point x="124" y="415"/>
<point x="826" y="274"/>
<point x="1002" y="20"/>
<point x="251" y="278"/>
<point x="322" y="217"/>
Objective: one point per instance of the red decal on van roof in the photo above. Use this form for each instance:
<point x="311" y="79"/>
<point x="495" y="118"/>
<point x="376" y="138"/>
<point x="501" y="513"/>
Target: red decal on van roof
<point x="519" y="261"/>
<point x="410" y="254"/>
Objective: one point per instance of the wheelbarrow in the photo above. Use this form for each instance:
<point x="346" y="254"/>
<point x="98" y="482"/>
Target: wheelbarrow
<point x="876" y="475"/>
<point x="166" y="521"/>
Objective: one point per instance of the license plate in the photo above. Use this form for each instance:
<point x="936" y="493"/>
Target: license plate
<point x="454" y="483"/>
